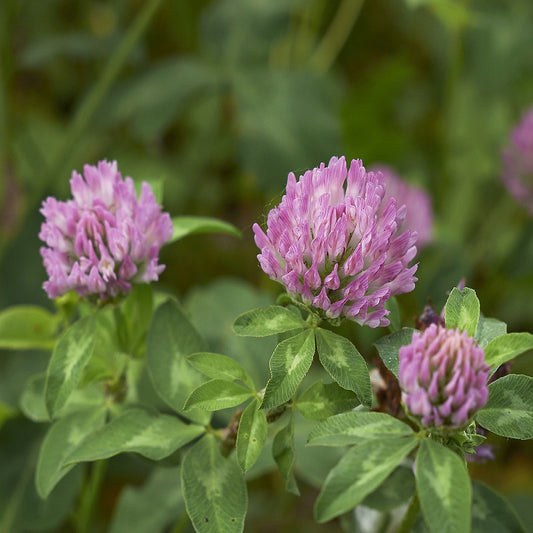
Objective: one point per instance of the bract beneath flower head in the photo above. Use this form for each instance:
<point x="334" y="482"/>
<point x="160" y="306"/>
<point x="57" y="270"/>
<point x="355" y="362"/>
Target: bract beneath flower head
<point x="336" y="246"/>
<point x="104" y="239"/>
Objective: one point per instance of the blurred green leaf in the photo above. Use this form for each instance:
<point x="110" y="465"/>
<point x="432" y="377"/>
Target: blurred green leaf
<point x="267" y="321"/>
<point x="489" y="329"/>
<point x="395" y="319"/>
<point x="321" y="400"/>
<point x="154" y="506"/>
<point x="171" y="338"/>
<point x="506" y="347"/>
<point x="217" y="394"/>
<point x="356" y="427"/>
<point x="251" y="435"/>
<point x="62" y="438"/>
<point x="214" y="489"/>
<point x="361" y="470"/>
<point x="396" y="490"/>
<point x="344" y="364"/>
<point x="288" y="366"/>
<point x="283" y="453"/>
<point x="136" y="430"/>
<point x="24" y="327"/>
<point x="509" y="409"/>
<point x="184" y="226"/>
<point x="443" y="487"/>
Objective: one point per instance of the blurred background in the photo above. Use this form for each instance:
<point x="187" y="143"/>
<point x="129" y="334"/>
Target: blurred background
<point x="217" y="100"/>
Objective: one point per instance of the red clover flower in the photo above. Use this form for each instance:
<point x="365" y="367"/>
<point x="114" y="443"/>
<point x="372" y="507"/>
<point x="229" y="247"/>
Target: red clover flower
<point x="336" y="245"/>
<point x="443" y="377"/>
<point x="104" y="239"/>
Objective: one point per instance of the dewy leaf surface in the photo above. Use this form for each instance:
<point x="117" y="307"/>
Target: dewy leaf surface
<point x="69" y="358"/>
<point x="389" y="346"/>
<point x="251" y="435"/>
<point x="288" y="366"/>
<point x="135" y="430"/>
<point x="62" y="438"/>
<point x="361" y="470"/>
<point x="214" y="489"/>
<point x="344" y="364"/>
<point x="267" y="321"/>
<point x="462" y="310"/>
<point x="507" y="347"/>
<point x="444" y="488"/>
<point x="509" y="409"/>
<point x="356" y="427"/>
<point x="171" y="338"/>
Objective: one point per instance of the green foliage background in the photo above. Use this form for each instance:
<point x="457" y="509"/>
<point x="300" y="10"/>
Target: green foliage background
<point x="221" y="99"/>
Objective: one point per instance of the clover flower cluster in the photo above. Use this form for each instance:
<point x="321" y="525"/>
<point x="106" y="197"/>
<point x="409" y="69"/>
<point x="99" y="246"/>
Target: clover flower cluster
<point x="517" y="172"/>
<point x="443" y="377"/>
<point x="419" y="216"/>
<point x="336" y="245"/>
<point x="104" y="239"/>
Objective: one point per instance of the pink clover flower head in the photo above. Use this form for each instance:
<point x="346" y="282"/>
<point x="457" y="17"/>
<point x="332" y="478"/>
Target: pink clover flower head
<point x="443" y="377"/>
<point x="103" y="239"/>
<point x="419" y="215"/>
<point x="336" y="245"/>
<point x="517" y="173"/>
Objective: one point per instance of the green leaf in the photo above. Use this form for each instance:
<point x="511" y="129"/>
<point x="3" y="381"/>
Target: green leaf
<point x="138" y="309"/>
<point x="171" y="337"/>
<point x="361" y="470"/>
<point x="396" y="490"/>
<point x="462" y="310"/>
<point x="6" y="412"/>
<point x="394" y="316"/>
<point x="489" y="329"/>
<point x="491" y="513"/>
<point x="322" y="400"/>
<point x="507" y="347"/>
<point x="344" y="364"/>
<point x="152" y="507"/>
<point x="288" y="366"/>
<point x="355" y="427"/>
<point x="509" y="410"/>
<point x="184" y="226"/>
<point x="217" y="394"/>
<point x="389" y="346"/>
<point x="214" y="489"/>
<point x="218" y="366"/>
<point x="69" y="358"/>
<point x="251" y="435"/>
<point x="25" y="327"/>
<point x="283" y="453"/>
<point x="62" y="438"/>
<point x="267" y="321"/>
<point x="155" y="436"/>
<point x="444" y="488"/>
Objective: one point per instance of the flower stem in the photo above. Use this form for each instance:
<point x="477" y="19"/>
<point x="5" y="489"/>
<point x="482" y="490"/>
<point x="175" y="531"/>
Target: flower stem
<point x="89" y="497"/>
<point x="410" y="515"/>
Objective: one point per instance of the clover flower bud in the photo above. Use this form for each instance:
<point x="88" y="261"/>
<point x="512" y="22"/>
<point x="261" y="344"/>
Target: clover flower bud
<point x="443" y="377"/>
<point x="419" y="215"/>
<point x="517" y="173"/>
<point x="336" y="245"/>
<point x="104" y="239"/>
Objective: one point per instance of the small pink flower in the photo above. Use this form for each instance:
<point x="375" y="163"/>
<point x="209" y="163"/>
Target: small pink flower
<point x="104" y="239"/>
<point x="336" y="245"/>
<point x="443" y="377"/>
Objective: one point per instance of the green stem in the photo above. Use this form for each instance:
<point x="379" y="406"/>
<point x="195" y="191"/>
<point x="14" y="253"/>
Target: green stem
<point x="89" y="497"/>
<point x="410" y="516"/>
<point x="336" y="35"/>
<point x="61" y="162"/>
